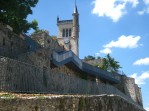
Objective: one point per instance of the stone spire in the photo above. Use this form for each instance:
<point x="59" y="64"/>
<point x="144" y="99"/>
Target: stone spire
<point x="75" y="8"/>
<point x="75" y="22"/>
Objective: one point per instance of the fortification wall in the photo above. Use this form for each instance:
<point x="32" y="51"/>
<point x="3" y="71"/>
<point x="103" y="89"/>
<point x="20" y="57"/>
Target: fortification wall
<point x="138" y="95"/>
<point x="10" y="43"/>
<point x="46" y="41"/>
<point x="16" y="76"/>
<point x="40" y="58"/>
<point x="68" y="103"/>
<point x="22" y="77"/>
<point x="131" y="89"/>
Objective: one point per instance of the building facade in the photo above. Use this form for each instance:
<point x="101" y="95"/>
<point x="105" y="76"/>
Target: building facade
<point x="68" y="32"/>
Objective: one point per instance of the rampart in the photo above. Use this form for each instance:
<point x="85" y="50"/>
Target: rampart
<point x="10" y="43"/>
<point x="47" y="68"/>
<point x="20" y="77"/>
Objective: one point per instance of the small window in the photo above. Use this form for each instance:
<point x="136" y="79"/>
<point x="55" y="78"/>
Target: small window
<point x="3" y="41"/>
<point x="63" y="34"/>
<point x="69" y="47"/>
<point x="69" y="32"/>
<point x="66" y="32"/>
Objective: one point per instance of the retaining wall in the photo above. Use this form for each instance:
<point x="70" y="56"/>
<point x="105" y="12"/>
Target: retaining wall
<point x="20" y="77"/>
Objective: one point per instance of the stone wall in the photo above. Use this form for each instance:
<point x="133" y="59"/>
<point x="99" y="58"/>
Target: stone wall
<point x="21" y="77"/>
<point x="11" y="44"/>
<point x="131" y="89"/>
<point x="40" y="58"/>
<point x="16" y="76"/>
<point x="138" y="95"/>
<point x="46" y="41"/>
<point x="67" y="103"/>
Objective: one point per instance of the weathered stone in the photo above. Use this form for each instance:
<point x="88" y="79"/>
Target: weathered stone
<point x="68" y="103"/>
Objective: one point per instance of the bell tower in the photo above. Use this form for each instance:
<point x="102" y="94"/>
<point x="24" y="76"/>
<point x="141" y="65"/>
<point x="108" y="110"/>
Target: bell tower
<point x="68" y="32"/>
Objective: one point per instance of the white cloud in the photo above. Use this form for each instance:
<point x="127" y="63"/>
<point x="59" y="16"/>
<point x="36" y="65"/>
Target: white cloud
<point x="109" y="8"/>
<point x="106" y="51"/>
<point x="113" y="9"/>
<point x="133" y="2"/>
<point x="145" y="10"/>
<point x="124" y="42"/>
<point x="140" y="79"/>
<point x="141" y="12"/>
<point x="146" y="2"/>
<point x="147" y="108"/>
<point x="143" y="61"/>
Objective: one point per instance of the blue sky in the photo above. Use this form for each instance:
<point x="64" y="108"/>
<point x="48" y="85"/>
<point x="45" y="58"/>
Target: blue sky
<point x="118" y="27"/>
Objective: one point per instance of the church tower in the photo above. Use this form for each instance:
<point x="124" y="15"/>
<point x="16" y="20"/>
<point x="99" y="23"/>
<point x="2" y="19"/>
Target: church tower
<point x="68" y="32"/>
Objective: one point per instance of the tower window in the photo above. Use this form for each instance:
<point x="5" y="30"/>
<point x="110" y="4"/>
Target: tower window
<point x="63" y="34"/>
<point x="69" y="32"/>
<point x="66" y="32"/>
<point x="69" y="47"/>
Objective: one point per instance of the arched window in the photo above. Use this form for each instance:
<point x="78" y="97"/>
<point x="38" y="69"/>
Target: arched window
<point x="63" y="34"/>
<point x="66" y="32"/>
<point x="69" y="32"/>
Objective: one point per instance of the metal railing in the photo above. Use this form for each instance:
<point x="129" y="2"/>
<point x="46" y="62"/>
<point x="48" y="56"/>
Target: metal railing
<point x="65" y="57"/>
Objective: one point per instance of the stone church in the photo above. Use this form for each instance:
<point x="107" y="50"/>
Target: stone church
<point x="68" y="32"/>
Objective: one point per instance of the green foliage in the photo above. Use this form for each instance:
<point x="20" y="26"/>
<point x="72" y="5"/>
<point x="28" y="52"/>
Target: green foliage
<point x="15" y="12"/>
<point x="110" y="64"/>
<point x="89" y="57"/>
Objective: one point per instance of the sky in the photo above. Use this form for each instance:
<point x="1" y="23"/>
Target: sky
<point x="118" y="27"/>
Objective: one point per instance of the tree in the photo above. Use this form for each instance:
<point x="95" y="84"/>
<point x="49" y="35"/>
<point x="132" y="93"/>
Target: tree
<point x="110" y="64"/>
<point x="89" y="57"/>
<point x="15" y="12"/>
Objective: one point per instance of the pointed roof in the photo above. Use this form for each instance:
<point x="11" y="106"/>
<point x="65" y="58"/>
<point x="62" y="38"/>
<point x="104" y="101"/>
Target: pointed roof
<point x="75" y="8"/>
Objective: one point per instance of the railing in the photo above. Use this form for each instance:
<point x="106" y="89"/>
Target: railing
<point x="20" y="77"/>
<point x="16" y="76"/>
<point x="69" y="56"/>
